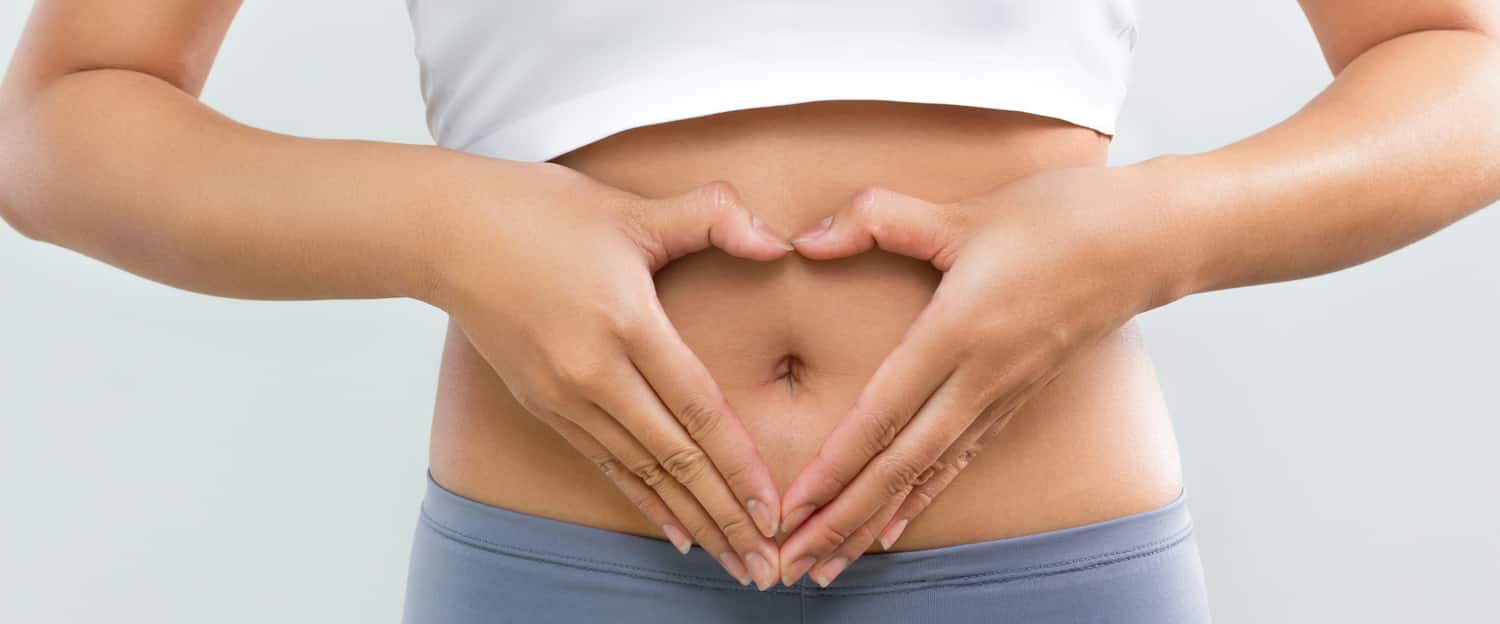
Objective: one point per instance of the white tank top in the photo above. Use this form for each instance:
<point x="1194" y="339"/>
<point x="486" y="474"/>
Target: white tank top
<point x="532" y="79"/>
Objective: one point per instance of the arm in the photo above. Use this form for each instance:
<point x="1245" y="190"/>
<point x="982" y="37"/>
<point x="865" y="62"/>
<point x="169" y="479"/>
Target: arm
<point x="106" y="150"/>
<point x="1405" y="141"/>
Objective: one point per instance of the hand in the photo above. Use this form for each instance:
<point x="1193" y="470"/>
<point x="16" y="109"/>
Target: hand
<point x="1033" y="271"/>
<point x="553" y="286"/>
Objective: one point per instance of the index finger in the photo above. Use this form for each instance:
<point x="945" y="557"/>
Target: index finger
<point x="905" y="380"/>
<point x="688" y="390"/>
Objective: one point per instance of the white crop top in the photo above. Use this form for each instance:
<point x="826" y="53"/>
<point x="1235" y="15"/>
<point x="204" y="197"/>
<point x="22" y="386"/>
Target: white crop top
<point x="533" y="79"/>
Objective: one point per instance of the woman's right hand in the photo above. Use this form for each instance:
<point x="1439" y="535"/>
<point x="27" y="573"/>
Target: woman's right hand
<point x="550" y="277"/>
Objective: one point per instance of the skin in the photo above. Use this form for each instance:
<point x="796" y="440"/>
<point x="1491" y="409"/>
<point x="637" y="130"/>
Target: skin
<point x="1095" y="444"/>
<point x="1386" y="171"/>
<point x="1393" y="150"/>
<point x="101" y="100"/>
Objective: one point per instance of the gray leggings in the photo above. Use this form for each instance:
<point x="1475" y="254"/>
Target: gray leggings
<point x="474" y="563"/>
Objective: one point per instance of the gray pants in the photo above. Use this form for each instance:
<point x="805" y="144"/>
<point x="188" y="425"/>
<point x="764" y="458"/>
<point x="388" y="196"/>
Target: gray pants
<point x="474" y="563"/>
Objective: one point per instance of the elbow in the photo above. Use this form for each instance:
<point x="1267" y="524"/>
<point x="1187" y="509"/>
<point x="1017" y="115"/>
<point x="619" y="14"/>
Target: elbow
<point x="16" y="220"/>
<point x="1469" y="57"/>
<point x="15" y="209"/>
<point x="1489" y="77"/>
<point x="57" y="147"/>
<point x="34" y="172"/>
<point x="12" y="210"/>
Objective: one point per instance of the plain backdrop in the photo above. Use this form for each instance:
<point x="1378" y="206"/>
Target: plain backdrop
<point x="174" y="457"/>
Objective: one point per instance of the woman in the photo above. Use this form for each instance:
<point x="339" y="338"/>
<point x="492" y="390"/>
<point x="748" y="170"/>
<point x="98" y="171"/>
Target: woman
<point x="665" y="303"/>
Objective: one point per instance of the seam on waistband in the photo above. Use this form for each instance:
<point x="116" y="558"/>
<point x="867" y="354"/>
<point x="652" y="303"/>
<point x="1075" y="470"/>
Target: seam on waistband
<point x="1026" y="571"/>
<point x="993" y="577"/>
<point x="1006" y="576"/>
<point x="585" y="563"/>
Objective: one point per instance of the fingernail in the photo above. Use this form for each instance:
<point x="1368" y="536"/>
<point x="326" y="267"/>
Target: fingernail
<point x="797" y="570"/>
<point x="813" y="232"/>
<point x="891" y="533"/>
<point x="764" y="575"/>
<point x="679" y="539"/>
<point x="764" y="519"/>
<point x="796" y="518"/>
<point x="736" y="569"/>
<point x="765" y="230"/>
<point x="829" y="571"/>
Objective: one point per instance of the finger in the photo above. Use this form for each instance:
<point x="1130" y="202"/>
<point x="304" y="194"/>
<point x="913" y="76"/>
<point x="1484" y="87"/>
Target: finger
<point x="918" y="365"/>
<point x="687" y="389"/>
<point x="892" y="221"/>
<point x="641" y="495"/>
<point x="711" y="214"/>
<point x="640" y="411"/>
<point x="890" y="475"/>
<point x="964" y="450"/>
<point x="825" y="571"/>
<point x="891" y="519"/>
<point x="942" y="474"/>
<point x="628" y="456"/>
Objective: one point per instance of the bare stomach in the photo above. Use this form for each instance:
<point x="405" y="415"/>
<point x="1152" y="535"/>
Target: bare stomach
<point x="792" y="342"/>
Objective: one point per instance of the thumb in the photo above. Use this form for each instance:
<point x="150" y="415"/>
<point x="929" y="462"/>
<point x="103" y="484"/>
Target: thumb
<point x="710" y="215"/>
<point x="892" y="221"/>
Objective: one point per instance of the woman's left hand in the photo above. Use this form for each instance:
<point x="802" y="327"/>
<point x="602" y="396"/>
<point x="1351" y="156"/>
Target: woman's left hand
<point x="1033" y="271"/>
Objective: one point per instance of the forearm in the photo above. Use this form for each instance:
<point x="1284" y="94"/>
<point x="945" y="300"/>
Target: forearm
<point x="1405" y="141"/>
<point x="127" y="169"/>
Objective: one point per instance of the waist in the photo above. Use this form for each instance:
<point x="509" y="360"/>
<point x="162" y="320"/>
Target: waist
<point x="792" y="342"/>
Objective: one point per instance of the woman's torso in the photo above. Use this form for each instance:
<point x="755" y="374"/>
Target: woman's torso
<point x="792" y="342"/>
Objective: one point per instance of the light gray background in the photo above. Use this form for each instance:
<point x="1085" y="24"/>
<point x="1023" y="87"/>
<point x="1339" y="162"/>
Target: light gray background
<point x="174" y="457"/>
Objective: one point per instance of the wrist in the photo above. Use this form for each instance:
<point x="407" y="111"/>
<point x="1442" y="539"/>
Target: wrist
<point x="475" y="199"/>
<point x="462" y="191"/>
<point x="1173" y="253"/>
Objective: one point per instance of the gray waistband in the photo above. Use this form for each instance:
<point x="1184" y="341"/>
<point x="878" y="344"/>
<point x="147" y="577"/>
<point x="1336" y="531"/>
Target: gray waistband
<point x="1041" y="554"/>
